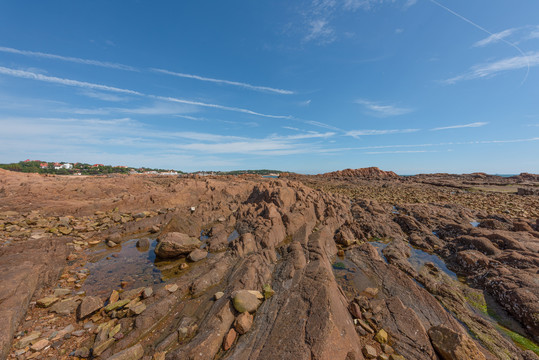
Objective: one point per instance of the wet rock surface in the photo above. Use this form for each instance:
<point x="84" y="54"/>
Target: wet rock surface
<point x="269" y="269"/>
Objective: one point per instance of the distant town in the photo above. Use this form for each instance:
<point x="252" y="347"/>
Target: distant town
<point x="66" y="168"/>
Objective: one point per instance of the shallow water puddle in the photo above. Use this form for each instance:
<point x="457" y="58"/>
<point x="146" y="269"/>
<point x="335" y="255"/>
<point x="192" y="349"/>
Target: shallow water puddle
<point x="419" y="258"/>
<point x="124" y="263"/>
<point x="474" y="223"/>
<point x="380" y="246"/>
<point x="233" y="236"/>
<point x="350" y="278"/>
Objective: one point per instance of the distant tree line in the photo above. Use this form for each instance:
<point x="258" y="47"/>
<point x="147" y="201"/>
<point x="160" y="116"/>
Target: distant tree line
<point x="78" y="168"/>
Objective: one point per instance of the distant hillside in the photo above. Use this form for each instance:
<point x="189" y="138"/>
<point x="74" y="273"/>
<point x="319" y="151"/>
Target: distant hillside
<point x="364" y="173"/>
<point x="255" y="172"/>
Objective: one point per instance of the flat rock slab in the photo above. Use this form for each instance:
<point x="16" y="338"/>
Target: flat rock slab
<point x="133" y="353"/>
<point x="25" y="267"/>
<point x="88" y="306"/>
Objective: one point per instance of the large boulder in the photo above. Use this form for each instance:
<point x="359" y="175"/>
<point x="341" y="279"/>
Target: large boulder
<point x="174" y="244"/>
<point x="451" y="345"/>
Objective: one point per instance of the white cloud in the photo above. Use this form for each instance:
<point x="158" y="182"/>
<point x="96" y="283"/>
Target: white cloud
<point x="321" y="13"/>
<point x="308" y="135"/>
<point x="227" y="82"/>
<point x="517" y="35"/>
<point x="67" y="58"/>
<point x="398" y="152"/>
<point x="77" y="136"/>
<point x="492" y="69"/>
<point x="471" y="125"/>
<point x="383" y="110"/>
<point x="87" y="85"/>
<point x="130" y="68"/>
<point x="357" y="133"/>
<point x="103" y="96"/>
<point x="320" y="31"/>
<point x="494" y="38"/>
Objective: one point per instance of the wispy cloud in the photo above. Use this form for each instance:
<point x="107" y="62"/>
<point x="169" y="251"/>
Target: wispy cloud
<point x="399" y="152"/>
<point x="227" y="82"/>
<point x="477" y="26"/>
<point x="131" y="68"/>
<point x="103" y="96"/>
<point x="378" y="109"/>
<point x="67" y="58"/>
<point x="369" y="4"/>
<point x="307" y="135"/>
<point x="320" y="31"/>
<point x="492" y="69"/>
<point x="131" y="136"/>
<point x="471" y="125"/>
<point x="320" y="14"/>
<point x="515" y="35"/>
<point x="87" y="85"/>
<point x="358" y="133"/>
<point x="494" y="38"/>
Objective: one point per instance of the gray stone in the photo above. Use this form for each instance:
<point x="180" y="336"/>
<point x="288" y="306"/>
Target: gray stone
<point x="143" y="244"/>
<point x="65" y="307"/>
<point x="369" y="352"/>
<point x="147" y="292"/>
<point x="197" y="255"/>
<point x="61" y="292"/>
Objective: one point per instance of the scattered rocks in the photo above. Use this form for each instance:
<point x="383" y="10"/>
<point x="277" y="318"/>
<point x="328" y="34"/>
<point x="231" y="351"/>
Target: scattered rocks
<point x="369" y="352"/>
<point x="247" y="300"/>
<point x="99" y="349"/>
<point x="88" y="306"/>
<point x="243" y="323"/>
<point x="171" y="287"/>
<point x="143" y="244"/>
<point x="381" y="336"/>
<point x="197" y="255"/>
<point x="65" y="307"/>
<point x="370" y="292"/>
<point x="229" y="339"/>
<point x="40" y="345"/>
<point x="27" y="340"/>
<point x="147" y="292"/>
<point x="268" y="291"/>
<point x="114" y="296"/>
<point x="47" y="301"/>
<point x="111" y="243"/>
<point x="61" y="292"/>
<point x="117" y="305"/>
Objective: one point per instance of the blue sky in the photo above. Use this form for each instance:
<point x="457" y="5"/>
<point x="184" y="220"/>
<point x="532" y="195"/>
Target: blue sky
<point x="412" y="86"/>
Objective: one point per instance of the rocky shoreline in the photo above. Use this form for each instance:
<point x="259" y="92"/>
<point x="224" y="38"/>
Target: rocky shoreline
<point x="353" y="265"/>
